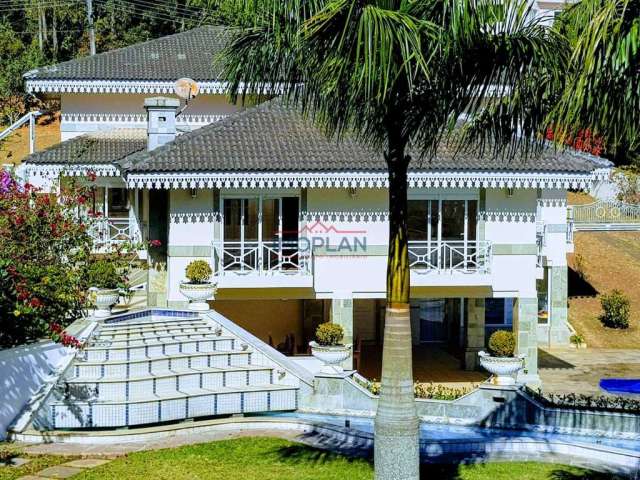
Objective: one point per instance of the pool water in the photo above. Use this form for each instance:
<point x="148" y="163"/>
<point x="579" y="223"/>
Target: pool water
<point x="621" y="385"/>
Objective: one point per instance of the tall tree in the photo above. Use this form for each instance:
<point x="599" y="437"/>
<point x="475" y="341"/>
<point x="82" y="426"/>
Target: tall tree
<point x="603" y="86"/>
<point x="398" y="74"/>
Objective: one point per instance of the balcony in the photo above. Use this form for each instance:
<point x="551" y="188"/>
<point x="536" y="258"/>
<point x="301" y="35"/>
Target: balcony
<point x="253" y="264"/>
<point x="454" y="262"/>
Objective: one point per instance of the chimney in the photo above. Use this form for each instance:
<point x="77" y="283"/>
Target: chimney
<point x="161" y="120"/>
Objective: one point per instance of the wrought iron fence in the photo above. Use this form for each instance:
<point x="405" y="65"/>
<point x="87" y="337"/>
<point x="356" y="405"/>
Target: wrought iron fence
<point x="605" y="212"/>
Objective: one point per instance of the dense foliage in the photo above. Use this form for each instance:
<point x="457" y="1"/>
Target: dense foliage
<point x="615" y="309"/>
<point x="329" y="334"/>
<point x="33" y="34"/>
<point x="198" y="271"/>
<point x="43" y="250"/>
<point x="588" y="402"/>
<point x="502" y="343"/>
<point x="103" y="274"/>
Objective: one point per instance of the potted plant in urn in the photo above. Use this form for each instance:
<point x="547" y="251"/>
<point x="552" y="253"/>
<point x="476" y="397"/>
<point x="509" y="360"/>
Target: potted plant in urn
<point x="106" y="284"/>
<point x="328" y="347"/>
<point x="501" y="361"/>
<point x="198" y="289"/>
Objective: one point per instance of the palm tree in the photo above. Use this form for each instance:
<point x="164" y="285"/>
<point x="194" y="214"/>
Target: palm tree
<point x="603" y="88"/>
<point x="397" y="75"/>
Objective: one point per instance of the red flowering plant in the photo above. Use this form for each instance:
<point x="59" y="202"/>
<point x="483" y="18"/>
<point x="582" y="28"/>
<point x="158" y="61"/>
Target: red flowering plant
<point x="43" y="251"/>
<point x="583" y="140"/>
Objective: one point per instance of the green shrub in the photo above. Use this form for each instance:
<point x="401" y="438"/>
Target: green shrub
<point x="576" y="339"/>
<point x="427" y="391"/>
<point x="616" y="308"/>
<point x="502" y="343"/>
<point x="103" y="274"/>
<point x="199" y="271"/>
<point x="329" y="334"/>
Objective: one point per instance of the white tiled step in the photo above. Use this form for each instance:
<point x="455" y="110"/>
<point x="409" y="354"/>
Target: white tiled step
<point x="166" y="383"/>
<point x="158" y="350"/>
<point x="140" y="367"/>
<point x="195" y="403"/>
<point x="148" y="323"/>
<point x="210" y="329"/>
<point x="157" y="339"/>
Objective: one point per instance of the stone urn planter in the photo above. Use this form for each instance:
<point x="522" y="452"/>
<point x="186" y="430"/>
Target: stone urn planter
<point x="328" y="348"/>
<point x="503" y="369"/>
<point x="198" y="289"/>
<point x="331" y="356"/>
<point x="501" y="362"/>
<point x="198" y="294"/>
<point x="105" y="299"/>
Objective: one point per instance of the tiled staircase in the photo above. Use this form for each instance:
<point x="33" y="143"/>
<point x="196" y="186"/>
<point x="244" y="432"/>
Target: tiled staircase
<point x="155" y="369"/>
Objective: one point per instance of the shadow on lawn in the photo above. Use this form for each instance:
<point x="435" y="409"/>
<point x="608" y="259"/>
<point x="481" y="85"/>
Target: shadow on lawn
<point x="315" y="456"/>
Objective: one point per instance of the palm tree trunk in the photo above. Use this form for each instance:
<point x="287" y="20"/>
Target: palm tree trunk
<point x="396" y="442"/>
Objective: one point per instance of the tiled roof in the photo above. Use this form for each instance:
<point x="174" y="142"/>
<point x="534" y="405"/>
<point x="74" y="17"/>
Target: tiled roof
<point x="187" y="54"/>
<point x="274" y="137"/>
<point x="96" y="148"/>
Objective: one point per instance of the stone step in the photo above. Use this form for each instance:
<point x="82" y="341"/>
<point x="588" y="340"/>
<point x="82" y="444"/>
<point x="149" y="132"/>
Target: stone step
<point x="138" y="367"/>
<point x="165" y="383"/>
<point x="158" y="350"/>
<point x="187" y="404"/>
<point x="210" y="329"/>
<point x="157" y="339"/>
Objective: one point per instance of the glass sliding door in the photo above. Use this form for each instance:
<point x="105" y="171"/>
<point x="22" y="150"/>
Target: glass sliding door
<point x="442" y="233"/>
<point x="240" y="233"/>
<point x="260" y="233"/>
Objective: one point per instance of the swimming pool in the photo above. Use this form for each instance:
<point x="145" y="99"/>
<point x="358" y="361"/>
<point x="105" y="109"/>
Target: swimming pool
<point x="621" y="385"/>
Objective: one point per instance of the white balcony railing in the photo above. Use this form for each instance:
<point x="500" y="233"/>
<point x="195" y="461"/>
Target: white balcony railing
<point x="262" y="258"/>
<point x="450" y="256"/>
<point x="109" y="232"/>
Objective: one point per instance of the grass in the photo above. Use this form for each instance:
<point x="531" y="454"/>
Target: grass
<point x="263" y="458"/>
<point x="275" y="459"/>
<point x="608" y="260"/>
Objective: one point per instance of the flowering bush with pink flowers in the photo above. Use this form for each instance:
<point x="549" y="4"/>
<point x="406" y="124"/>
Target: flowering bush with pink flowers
<point x="43" y="252"/>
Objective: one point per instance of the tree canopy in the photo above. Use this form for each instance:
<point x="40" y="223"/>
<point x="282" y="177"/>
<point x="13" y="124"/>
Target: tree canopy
<point x="602" y="92"/>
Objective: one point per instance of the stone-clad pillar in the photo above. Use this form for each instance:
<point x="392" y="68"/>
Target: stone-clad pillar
<point x="475" y="332"/>
<point x="342" y="314"/>
<point x="558" y="329"/>
<point x="525" y="326"/>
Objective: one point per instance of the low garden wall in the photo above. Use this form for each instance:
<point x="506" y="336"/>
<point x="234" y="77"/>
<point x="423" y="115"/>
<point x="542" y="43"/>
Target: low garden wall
<point x="487" y="406"/>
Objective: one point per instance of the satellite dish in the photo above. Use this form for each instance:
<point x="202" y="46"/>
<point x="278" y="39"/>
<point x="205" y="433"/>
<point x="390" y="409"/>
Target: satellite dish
<point x="186" y="88"/>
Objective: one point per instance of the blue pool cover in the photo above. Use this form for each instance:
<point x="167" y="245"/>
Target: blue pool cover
<point x="621" y="385"/>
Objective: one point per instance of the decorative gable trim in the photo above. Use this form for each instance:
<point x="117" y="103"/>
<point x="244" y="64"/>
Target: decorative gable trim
<point x="115" y="86"/>
<point x="546" y="180"/>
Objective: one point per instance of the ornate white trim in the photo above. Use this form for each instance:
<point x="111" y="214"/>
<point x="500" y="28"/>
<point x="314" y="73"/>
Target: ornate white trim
<point x="53" y="171"/>
<point x="137" y="118"/>
<point x="35" y="85"/>
<point x="547" y="180"/>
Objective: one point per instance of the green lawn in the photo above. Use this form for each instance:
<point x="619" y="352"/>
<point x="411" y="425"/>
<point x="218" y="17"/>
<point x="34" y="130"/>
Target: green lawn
<point x="271" y="459"/>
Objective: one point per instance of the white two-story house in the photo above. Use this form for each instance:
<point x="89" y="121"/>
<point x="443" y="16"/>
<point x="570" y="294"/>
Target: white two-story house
<point x="295" y="224"/>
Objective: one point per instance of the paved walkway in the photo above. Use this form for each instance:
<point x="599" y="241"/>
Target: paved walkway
<point x="66" y="470"/>
<point x="579" y="371"/>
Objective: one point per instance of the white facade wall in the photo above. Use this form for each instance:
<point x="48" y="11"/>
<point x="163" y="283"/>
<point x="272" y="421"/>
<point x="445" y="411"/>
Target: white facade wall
<point x="90" y="112"/>
<point x="507" y="220"/>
